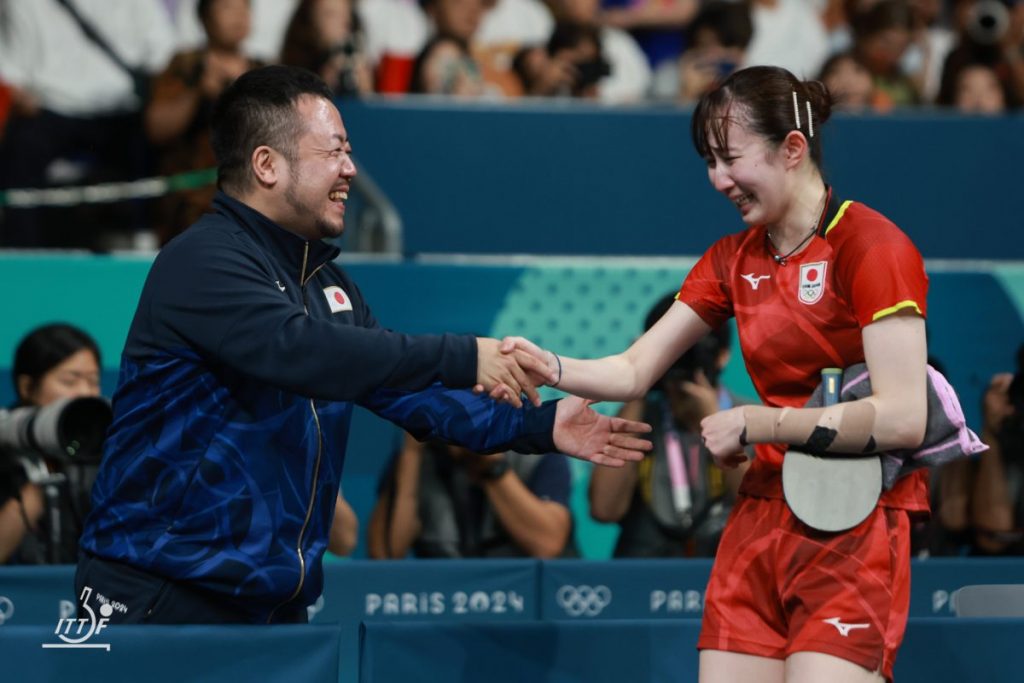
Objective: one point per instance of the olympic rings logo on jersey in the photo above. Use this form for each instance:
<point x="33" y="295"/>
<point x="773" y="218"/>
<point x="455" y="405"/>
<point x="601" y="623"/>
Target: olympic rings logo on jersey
<point x="812" y="282"/>
<point x="580" y="601"/>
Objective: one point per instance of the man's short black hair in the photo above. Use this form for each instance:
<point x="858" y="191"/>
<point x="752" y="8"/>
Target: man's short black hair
<point x="259" y="109"/>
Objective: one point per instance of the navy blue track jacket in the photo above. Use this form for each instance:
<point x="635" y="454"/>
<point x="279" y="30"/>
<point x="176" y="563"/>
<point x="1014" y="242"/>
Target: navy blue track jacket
<point x="247" y="351"/>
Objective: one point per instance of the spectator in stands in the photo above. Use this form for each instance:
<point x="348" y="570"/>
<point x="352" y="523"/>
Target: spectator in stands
<point x="508" y="26"/>
<point x="849" y="81"/>
<point x="579" y="46"/>
<point x="658" y="28"/>
<point x="628" y="77"/>
<point x="718" y="40"/>
<point x="978" y="90"/>
<point x="396" y="31"/>
<point x="178" y="115"/>
<point x="52" y="362"/>
<point x="931" y="41"/>
<point x="540" y="75"/>
<point x="80" y="70"/>
<point x="446" y="65"/>
<point x="249" y="348"/>
<point x="997" y="503"/>
<point x="835" y="17"/>
<point x="881" y="37"/>
<point x="790" y="34"/>
<point x="269" y="21"/>
<point x="990" y="34"/>
<point x="646" y="499"/>
<point x="931" y="38"/>
<point x="325" y="36"/>
<point x="439" y="500"/>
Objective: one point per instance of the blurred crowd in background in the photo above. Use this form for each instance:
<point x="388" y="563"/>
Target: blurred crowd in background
<point x="94" y="91"/>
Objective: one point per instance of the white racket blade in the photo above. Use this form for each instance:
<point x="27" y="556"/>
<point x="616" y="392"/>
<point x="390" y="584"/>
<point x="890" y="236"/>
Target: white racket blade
<point x="831" y="494"/>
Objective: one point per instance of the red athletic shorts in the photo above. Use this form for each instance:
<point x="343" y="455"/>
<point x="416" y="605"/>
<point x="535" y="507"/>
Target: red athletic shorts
<point x="780" y="587"/>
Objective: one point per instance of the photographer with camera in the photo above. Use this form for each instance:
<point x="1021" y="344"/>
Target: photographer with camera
<point x="579" y="45"/>
<point x="180" y="108"/>
<point x="997" y="503"/>
<point x="49" y="445"/>
<point x="615" y="70"/>
<point x="990" y="34"/>
<point x="441" y="500"/>
<point x="717" y="42"/>
<point x="674" y="502"/>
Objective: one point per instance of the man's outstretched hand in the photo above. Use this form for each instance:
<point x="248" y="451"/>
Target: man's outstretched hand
<point x="583" y="433"/>
<point x="505" y="376"/>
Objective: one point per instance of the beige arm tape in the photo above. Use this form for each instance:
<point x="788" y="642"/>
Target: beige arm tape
<point x="843" y="428"/>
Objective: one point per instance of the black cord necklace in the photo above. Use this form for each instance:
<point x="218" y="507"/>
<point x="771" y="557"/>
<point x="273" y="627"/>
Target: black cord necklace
<point x="783" y="259"/>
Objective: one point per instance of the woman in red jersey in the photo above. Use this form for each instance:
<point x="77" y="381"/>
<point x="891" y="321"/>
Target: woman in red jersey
<point x="813" y="281"/>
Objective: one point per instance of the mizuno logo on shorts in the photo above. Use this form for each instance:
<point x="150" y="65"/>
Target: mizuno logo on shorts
<point x="844" y="629"/>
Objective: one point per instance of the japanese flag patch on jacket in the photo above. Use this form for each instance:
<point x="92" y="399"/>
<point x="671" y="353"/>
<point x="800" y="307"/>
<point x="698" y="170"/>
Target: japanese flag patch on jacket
<point x="337" y="299"/>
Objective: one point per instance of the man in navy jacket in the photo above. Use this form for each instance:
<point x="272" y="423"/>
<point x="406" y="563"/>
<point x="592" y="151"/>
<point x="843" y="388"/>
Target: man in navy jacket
<point x="248" y="349"/>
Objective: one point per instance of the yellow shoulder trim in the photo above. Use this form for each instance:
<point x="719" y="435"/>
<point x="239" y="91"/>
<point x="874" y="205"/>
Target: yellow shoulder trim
<point x="909" y="303"/>
<point x="839" y="215"/>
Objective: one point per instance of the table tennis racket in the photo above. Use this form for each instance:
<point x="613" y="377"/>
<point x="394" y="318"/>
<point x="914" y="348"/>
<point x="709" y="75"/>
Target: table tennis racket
<point x="836" y="492"/>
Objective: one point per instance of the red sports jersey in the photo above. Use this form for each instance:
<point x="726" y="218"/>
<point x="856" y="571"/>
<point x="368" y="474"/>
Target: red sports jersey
<point x="798" y="318"/>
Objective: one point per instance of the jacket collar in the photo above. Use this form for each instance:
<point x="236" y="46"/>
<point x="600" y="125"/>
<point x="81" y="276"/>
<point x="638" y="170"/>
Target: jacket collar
<point x="285" y="247"/>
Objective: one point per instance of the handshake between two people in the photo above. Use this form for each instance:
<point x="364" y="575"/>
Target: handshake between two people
<point x="508" y="369"/>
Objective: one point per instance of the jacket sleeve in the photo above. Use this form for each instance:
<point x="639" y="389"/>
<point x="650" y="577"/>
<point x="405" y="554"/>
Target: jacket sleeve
<point x="473" y="421"/>
<point x="215" y="296"/>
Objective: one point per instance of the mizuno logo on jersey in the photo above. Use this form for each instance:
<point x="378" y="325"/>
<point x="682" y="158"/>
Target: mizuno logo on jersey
<point x="755" y="280"/>
<point x="844" y="629"/>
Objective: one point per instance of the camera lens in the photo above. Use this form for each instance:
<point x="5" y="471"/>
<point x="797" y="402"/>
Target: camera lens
<point x="988" y="21"/>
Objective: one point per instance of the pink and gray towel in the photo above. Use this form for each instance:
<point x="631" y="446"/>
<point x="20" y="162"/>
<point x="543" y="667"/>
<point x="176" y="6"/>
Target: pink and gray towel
<point x="947" y="436"/>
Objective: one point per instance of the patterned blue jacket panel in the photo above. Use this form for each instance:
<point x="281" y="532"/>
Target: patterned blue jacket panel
<point x="247" y="351"/>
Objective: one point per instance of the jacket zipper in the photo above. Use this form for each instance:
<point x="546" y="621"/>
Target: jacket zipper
<point x="303" y="279"/>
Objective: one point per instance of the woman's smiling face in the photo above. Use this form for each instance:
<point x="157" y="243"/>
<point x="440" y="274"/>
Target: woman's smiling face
<point x="745" y="167"/>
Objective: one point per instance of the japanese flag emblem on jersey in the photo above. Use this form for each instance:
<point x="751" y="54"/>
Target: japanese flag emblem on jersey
<point x="812" y="282"/>
<point x="337" y="299"/>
